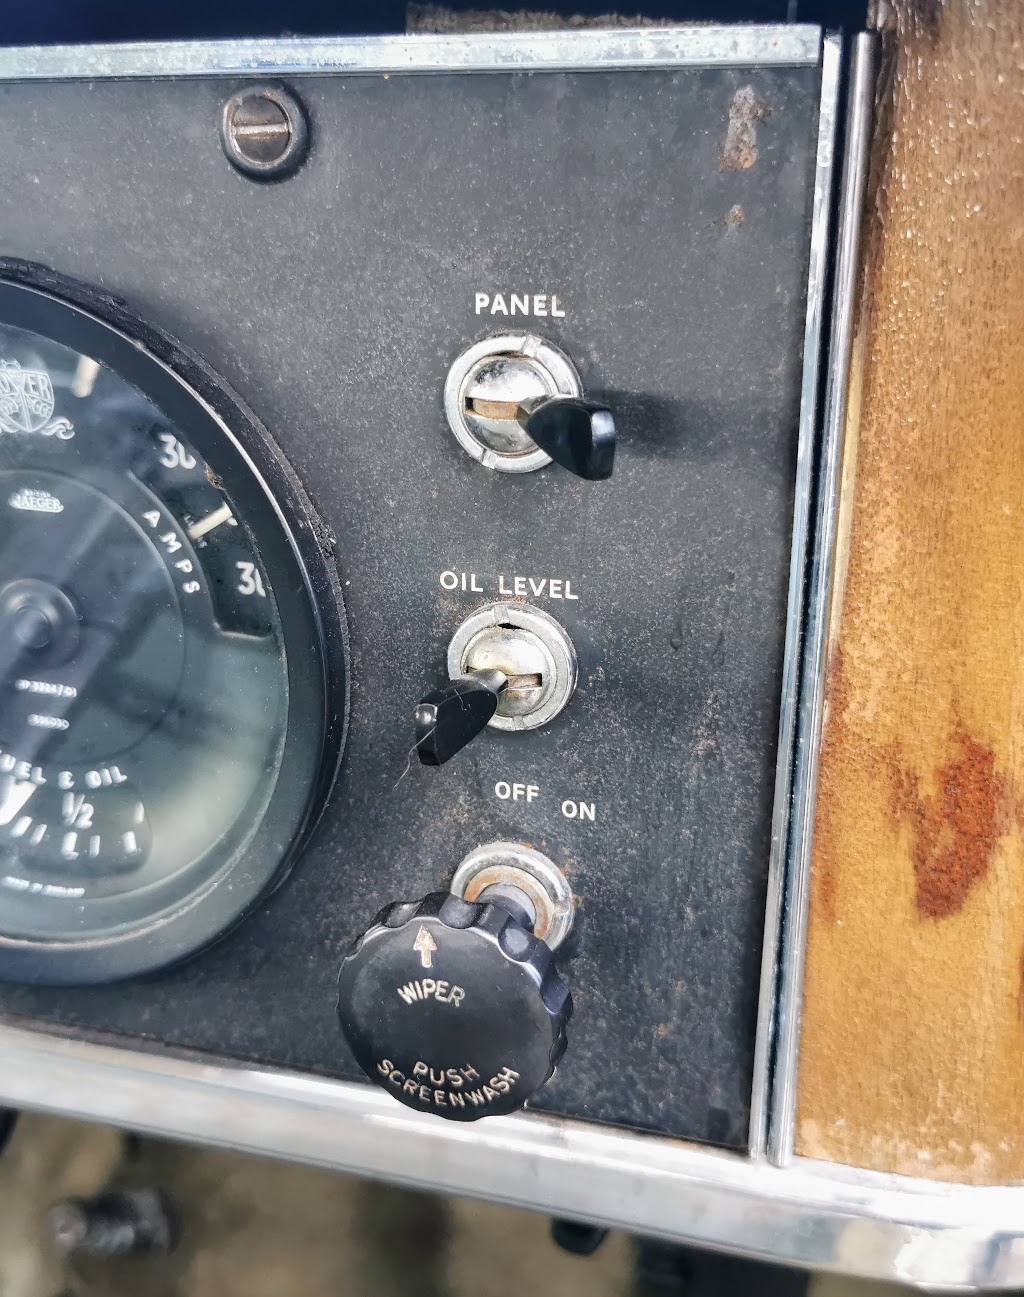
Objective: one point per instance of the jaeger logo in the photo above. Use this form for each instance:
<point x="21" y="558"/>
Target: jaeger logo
<point x="35" y="501"/>
<point x="26" y="402"/>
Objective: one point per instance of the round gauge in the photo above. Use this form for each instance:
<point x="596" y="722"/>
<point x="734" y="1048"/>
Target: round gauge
<point x="172" y="693"/>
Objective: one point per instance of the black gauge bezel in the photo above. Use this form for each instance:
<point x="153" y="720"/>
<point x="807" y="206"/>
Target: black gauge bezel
<point x="295" y="553"/>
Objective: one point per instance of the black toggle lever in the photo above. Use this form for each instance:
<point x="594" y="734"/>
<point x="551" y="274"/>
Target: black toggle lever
<point x="449" y="717"/>
<point x="577" y="434"/>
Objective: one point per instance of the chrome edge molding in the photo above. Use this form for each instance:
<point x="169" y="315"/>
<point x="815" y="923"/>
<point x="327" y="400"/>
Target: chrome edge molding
<point x="817" y="279"/>
<point x="809" y="1214"/>
<point x="781" y="45"/>
<point x="812" y="685"/>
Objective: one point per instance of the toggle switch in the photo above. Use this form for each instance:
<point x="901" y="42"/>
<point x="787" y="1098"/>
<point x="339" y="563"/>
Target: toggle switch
<point x="511" y="667"/>
<point x="515" y="403"/>
<point x="577" y="434"/>
<point x="452" y="716"/>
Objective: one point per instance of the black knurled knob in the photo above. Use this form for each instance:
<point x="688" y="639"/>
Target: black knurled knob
<point x="453" y="1007"/>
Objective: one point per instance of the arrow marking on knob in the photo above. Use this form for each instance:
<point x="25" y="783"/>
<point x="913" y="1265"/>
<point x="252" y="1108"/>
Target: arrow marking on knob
<point x="425" y="945"/>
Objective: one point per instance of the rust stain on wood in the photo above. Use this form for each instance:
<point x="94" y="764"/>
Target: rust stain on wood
<point x="912" y="1055"/>
<point x="956" y="829"/>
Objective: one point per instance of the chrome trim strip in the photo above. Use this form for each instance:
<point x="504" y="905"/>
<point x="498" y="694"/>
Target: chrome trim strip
<point x="810" y="1214"/>
<point x="817" y="278"/>
<point x="812" y="688"/>
<point x="780" y="45"/>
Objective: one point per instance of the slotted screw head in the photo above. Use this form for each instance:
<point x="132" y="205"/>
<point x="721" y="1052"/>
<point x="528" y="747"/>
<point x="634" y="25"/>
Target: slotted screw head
<point x="265" y="132"/>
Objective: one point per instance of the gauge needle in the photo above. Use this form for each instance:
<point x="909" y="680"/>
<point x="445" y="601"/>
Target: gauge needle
<point x="18" y="793"/>
<point x="200" y="528"/>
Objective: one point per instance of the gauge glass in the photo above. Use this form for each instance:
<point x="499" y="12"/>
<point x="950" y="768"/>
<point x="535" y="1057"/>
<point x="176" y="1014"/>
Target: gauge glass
<point x="143" y="674"/>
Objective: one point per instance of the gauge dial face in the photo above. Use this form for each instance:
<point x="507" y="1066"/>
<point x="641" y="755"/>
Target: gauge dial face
<point x="145" y="689"/>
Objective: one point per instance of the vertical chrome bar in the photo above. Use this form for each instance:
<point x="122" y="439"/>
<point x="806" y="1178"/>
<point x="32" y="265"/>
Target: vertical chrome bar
<point x="812" y="685"/>
<point x="817" y="278"/>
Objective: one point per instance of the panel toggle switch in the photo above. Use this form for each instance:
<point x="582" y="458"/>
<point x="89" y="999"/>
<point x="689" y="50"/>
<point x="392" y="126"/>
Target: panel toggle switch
<point x="577" y="434"/>
<point x="515" y="403"/>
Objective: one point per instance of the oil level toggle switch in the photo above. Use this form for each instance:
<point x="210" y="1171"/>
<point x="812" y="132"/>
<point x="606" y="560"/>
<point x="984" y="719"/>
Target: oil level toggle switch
<point x="515" y="403"/>
<point x="511" y="667"/>
<point x="452" y="1004"/>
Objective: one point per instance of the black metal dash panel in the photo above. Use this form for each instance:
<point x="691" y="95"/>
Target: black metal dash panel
<point x="658" y="225"/>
